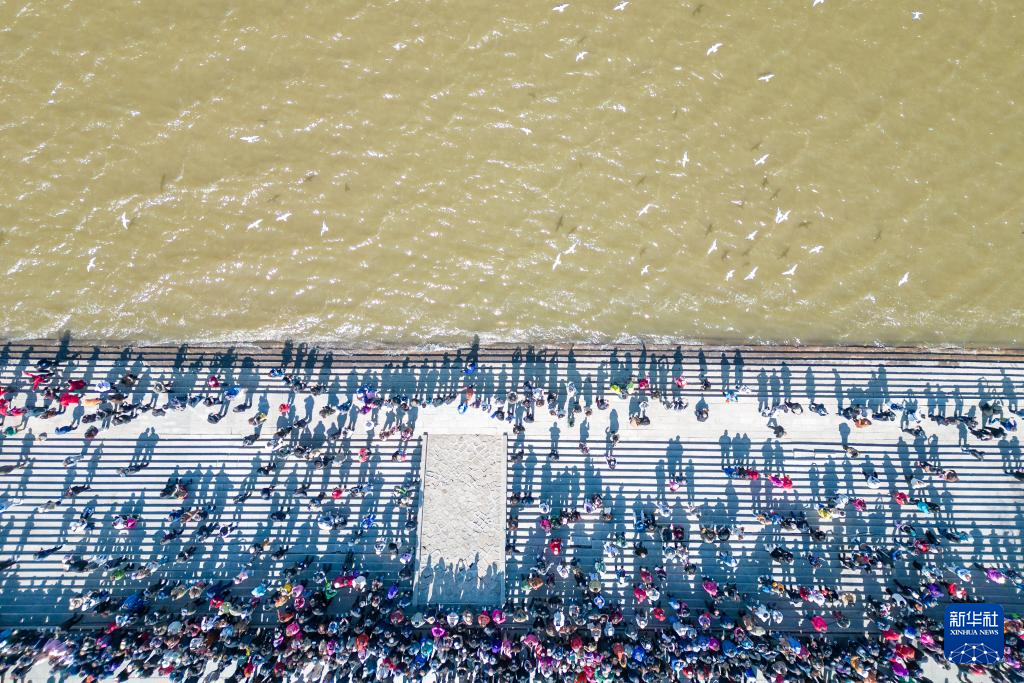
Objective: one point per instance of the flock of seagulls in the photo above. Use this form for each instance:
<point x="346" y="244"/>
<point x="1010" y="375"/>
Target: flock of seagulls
<point x="789" y="272"/>
<point x="780" y="215"/>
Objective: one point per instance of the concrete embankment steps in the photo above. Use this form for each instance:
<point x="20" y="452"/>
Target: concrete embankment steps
<point x="986" y="502"/>
<point x="419" y="372"/>
<point x="219" y="469"/>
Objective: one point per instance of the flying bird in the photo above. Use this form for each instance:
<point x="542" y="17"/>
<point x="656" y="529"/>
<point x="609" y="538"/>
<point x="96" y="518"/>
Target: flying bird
<point x="751" y="274"/>
<point x="916" y="15"/>
<point x="124" y="221"/>
<point x="817" y="249"/>
<point x="647" y="207"/>
<point x="904" y="279"/>
<point x="686" y="159"/>
<point x="91" y="265"/>
<point x="766" y="77"/>
<point x="781" y="216"/>
<point x="791" y="271"/>
<point x="560" y="8"/>
<point x="323" y="228"/>
<point x="714" y="48"/>
<point x="817" y="2"/>
<point x="255" y="224"/>
<point x="728" y="276"/>
<point x="621" y="6"/>
<point x="282" y="217"/>
<point x="581" y="55"/>
<point x="713" y="247"/>
<point x="643" y="271"/>
<point x="752" y="235"/>
<point x="558" y="261"/>
<point x="760" y="161"/>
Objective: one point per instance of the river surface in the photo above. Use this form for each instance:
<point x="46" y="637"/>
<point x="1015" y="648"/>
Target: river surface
<point x="413" y="173"/>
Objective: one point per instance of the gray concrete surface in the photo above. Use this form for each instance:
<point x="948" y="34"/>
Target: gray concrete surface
<point x="461" y="558"/>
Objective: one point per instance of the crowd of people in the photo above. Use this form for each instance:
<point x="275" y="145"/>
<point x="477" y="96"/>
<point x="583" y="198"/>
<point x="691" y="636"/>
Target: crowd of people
<point x="311" y="621"/>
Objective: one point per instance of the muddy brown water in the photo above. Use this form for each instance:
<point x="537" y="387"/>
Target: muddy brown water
<point x="414" y="173"/>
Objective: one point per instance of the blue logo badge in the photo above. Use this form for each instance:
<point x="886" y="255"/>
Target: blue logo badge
<point x="974" y="633"/>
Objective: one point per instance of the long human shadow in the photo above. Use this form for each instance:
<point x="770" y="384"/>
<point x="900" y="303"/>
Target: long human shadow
<point x="445" y="584"/>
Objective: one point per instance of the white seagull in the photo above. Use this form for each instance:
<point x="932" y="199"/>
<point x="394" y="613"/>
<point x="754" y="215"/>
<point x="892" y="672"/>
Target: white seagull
<point x="752" y="235"/>
<point x="791" y="271"/>
<point x="766" y="77"/>
<point x="904" y="279"/>
<point x="643" y="271"/>
<point x="760" y="161"/>
<point x="558" y="261"/>
<point x="255" y="224"/>
<point x="728" y="276"/>
<point x="124" y="221"/>
<point x="581" y="55"/>
<point x="751" y="274"/>
<point x="686" y="159"/>
<point x="713" y="247"/>
<point x="323" y="228"/>
<point x="92" y="264"/>
<point x="816" y="250"/>
<point x="621" y="6"/>
<point x="282" y="217"/>
<point x="916" y="15"/>
<point x="647" y="207"/>
<point x="560" y="8"/>
<point x="714" y="48"/>
<point x="817" y="2"/>
<point x="781" y="216"/>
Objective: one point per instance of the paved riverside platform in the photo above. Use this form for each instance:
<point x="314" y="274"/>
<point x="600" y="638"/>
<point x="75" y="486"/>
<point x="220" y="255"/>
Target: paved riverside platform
<point x="461" y="558"/>
<point x="986" y="503"/>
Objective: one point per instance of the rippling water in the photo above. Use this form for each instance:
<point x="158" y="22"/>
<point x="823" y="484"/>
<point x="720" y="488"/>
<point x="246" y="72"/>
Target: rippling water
<point x="415" y="172"/>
